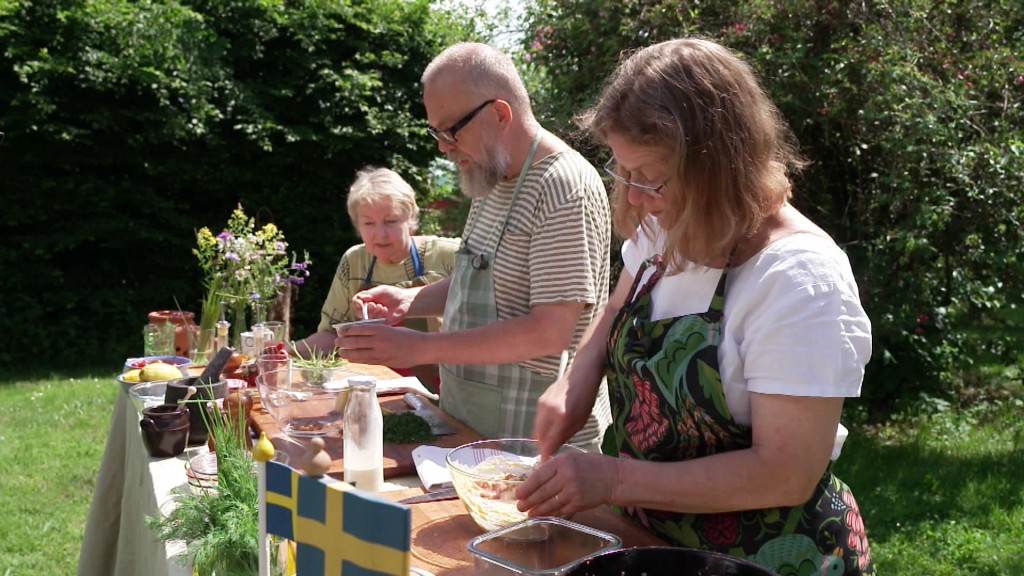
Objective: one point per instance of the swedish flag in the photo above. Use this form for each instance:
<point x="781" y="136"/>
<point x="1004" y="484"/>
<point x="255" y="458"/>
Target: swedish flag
<point x="338" y="530"/>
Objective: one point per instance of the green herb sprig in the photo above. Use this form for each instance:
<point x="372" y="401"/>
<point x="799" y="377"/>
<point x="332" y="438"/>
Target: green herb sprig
<point x="220" y="526"/>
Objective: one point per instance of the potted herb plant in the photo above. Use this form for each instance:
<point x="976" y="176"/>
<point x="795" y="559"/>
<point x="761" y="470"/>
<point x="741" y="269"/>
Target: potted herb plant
<point x="219" y="526"/>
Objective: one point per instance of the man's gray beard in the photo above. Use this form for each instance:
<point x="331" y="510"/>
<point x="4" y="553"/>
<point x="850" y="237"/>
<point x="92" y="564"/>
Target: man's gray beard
<point x="482" y="178"/>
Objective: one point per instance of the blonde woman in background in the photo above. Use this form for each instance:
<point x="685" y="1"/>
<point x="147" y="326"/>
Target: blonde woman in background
<point x="382" y="206"/>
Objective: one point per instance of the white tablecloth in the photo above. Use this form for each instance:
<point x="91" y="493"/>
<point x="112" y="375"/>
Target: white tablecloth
<point x="129" y="487"/>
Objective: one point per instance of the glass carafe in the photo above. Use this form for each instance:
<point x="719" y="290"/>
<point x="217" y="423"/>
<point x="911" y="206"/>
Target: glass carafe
<point x="364" y="435"/>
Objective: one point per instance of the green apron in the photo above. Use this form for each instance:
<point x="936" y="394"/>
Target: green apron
<point x="489" y="398"/>
<point x="668" y="404"/>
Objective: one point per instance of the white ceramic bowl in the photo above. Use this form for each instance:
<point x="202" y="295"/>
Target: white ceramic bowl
<point x="486" y="474"/>
<point x="180" y="362"/>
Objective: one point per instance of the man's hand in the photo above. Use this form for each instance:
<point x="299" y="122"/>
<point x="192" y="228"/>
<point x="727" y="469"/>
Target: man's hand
<point x="382" y="345"/>
<point x="386" y="302"/>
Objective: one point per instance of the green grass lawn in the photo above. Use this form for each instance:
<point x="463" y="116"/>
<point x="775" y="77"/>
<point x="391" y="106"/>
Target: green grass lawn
<point x="52" y="433"/>
<point x="942" y="495"/>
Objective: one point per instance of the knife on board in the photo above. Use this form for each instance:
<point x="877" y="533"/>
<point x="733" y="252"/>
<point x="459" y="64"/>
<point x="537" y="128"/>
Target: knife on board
<point x="438" y="426"/>
<point x="436" y="495"/>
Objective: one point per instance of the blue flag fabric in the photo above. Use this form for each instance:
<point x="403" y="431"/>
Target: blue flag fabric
<point x="338" y="530"/>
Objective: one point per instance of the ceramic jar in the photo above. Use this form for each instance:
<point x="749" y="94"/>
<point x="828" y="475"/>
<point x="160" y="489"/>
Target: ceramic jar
<point x="184" y="322"/>
<point x="165" y="429"/>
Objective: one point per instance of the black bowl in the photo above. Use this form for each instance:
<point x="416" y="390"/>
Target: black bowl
<point x="667" y="561"/>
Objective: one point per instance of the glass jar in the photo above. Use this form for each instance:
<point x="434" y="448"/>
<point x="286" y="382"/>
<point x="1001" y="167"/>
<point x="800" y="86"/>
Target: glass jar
<point x="363" y="456"/>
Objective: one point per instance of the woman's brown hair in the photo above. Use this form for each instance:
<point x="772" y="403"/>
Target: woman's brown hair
<point x="728" y="148"/>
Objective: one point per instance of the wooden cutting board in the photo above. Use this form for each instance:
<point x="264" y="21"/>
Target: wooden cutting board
<point x="397" y="457"/>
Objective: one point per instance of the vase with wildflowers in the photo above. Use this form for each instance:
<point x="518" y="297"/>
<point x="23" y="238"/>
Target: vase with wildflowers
<point x="247" y="268"/>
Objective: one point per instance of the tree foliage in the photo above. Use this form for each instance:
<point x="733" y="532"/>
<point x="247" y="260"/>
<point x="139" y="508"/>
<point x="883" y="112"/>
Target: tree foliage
<point x="911" y="111"/>
<point x="130" y="124"/>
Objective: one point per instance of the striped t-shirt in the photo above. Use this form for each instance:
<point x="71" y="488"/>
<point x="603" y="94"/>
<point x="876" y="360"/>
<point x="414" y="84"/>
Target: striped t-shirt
<point x="556" y="244"/>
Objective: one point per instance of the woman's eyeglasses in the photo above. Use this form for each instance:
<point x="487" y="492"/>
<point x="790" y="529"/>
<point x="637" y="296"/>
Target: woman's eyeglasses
<point x="448" y="136"/>
<point x="655" y="191"/>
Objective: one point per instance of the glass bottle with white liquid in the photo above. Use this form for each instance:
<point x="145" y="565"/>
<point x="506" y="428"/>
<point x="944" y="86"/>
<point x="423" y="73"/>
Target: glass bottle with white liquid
<point x="363" y="457"/>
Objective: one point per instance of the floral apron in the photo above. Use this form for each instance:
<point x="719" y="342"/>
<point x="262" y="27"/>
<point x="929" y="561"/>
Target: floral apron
<point x="495" y="400"/>
<point x="668" y="404"/>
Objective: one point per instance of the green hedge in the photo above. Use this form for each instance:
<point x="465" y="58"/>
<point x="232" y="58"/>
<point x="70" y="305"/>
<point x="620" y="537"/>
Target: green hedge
<point x="912" y="111"/>
<point x="130" y="124"/>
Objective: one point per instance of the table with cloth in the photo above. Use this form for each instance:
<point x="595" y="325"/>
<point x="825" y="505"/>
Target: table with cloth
<point x="131" y="485"/>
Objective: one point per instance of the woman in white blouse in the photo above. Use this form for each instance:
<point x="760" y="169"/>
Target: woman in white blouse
<point x="732" y="338"/>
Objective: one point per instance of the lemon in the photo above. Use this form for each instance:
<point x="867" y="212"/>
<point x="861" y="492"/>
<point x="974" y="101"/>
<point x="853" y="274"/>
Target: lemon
<point x="159" y="371"/>
<point x="131" y="375"/>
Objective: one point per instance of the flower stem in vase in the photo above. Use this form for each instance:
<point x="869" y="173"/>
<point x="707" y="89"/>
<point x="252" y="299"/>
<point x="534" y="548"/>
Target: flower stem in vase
<point x="239" y="324"/>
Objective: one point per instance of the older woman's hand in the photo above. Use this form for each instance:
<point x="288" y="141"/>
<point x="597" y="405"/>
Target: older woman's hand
<point x="567" y="484"/>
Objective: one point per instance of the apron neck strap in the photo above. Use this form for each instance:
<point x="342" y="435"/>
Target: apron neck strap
<point x="414" y="256"/>
<point x="369" y="273"/>
<point x="498" y="233"/>
<point x="528" y="162"/>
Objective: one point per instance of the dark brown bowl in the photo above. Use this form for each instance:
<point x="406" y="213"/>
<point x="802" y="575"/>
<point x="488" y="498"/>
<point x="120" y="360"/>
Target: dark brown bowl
<point x="199" y="415"/>
<point x="165" y="435"/>
<point x="667" y="561"/>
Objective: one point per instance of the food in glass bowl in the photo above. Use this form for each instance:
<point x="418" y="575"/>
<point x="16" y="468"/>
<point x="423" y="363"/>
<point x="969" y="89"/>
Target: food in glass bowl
<point x="487" y="473"/>
<point x="305" y="401"/>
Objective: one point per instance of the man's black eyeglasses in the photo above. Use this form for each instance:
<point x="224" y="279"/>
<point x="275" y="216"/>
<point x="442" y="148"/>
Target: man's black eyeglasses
<point x="448" y="136"/>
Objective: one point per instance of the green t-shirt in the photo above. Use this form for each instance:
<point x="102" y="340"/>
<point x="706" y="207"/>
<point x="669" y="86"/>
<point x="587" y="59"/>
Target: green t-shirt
<point x="437" y="255"/>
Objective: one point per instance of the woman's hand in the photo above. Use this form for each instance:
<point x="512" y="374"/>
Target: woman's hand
<point x="564" y="407"/>
<point x="560" y="414"/>
<point x="567" y="484"/>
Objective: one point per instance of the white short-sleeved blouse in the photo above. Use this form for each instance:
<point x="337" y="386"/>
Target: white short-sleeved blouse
<point x="793" y="322"/>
